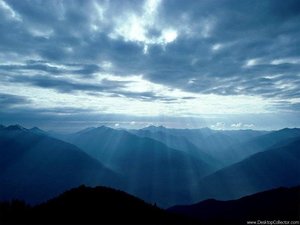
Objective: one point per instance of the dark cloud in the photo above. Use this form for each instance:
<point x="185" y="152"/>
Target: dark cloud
<point x="105" y="86"/>
<point x="46" y="67"/>
<point x="64" y="85"/>
<point x="7" y="100"/>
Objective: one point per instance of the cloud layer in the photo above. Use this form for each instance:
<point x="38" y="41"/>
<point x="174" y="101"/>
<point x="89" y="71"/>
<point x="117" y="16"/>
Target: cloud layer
<point x="188" y="57"/>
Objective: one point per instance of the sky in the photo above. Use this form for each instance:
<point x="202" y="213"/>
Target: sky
<point x="223" y="64"/>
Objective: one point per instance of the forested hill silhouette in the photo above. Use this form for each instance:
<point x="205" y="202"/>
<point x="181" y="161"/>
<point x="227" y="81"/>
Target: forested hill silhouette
<point x="86" y="205"/>
<point x="101" y="205"/>
<point x="277" y="204"/>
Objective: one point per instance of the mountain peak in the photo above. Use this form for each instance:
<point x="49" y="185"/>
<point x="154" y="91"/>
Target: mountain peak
<point x="85" y="130"/>
<point x="289" y="129"/>
<point x="205" y="128"/>
<point x="15" y="127"/>
<point x="104" y="128"/>
<point x="154" y="128"/>
<point x="101" y="129"/>
<point x="37" y="130"/>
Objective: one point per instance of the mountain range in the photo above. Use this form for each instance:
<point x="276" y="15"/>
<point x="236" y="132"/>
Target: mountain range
<point x="160" y="165"/>
<point x="153" y="171"/>
<point x="223" y="146"/>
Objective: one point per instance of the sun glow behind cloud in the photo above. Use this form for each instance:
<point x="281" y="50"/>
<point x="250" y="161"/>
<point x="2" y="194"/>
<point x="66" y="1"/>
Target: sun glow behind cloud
<point x="135" y="27"/>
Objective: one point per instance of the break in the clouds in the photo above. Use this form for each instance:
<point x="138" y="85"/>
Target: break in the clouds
<point x="152" y="58"/>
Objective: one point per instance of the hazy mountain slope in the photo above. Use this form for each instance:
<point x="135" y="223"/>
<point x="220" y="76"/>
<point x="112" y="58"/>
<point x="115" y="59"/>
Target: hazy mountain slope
<point x="262" y="171"/>
<point x="244" y="135"/>
<point x="179" y="143"/>
<point x="37" y="130"/>
<point x="239" y="151"/>
<point x="229" y="146"/>
<point x="86" y="205"/>
<point x="225" y="146"/>
<point x="154" y="171"/>
<point x="278" y="204"/>
<point x="280" y="137"/>
<point x="35" y="167"/>
<point x="198" y="135"/>
<point x="193" y="135"/>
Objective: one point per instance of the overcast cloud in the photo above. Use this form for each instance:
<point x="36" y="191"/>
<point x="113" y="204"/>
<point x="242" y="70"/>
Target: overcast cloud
<point x="151" y="58"/>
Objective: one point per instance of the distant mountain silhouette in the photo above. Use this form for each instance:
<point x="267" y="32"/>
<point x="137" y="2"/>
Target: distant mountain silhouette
<point x="278" y="204"/>
<point x="225" y="146"/>
<point x="239" y="151"/>
<point x="177" y="142"/>
<point x="279" y="138"/>
<point x="15" y="127"/>
<point x="86" y="130"/>
<point x="154" y="171"/>
<point x="193" y="135"/>
<point x="86" y="205"/>
<point x="35" y="167"/>
<point x="37" y="130"/>
<point x="198" y="135"/>
<point x="153" y="128"/>
<point x="262" y="171"/>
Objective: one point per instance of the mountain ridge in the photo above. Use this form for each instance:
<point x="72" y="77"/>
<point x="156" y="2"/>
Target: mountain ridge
<point x="35" y="167"/>
<point x="262" y="171"/>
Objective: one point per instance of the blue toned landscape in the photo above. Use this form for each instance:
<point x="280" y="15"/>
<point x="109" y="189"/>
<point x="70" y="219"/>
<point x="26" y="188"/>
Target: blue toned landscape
<point x="149" y="112"/>
<point x="36" y="167"/>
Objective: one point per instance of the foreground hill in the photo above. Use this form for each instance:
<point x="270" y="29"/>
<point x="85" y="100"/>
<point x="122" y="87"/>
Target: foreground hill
<point x="278" y="204"/>
<point x="154" y="171"/>
<point x="273" y="168"/>
<point x="86" y="205"/>
<point x="35" y="167"/>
